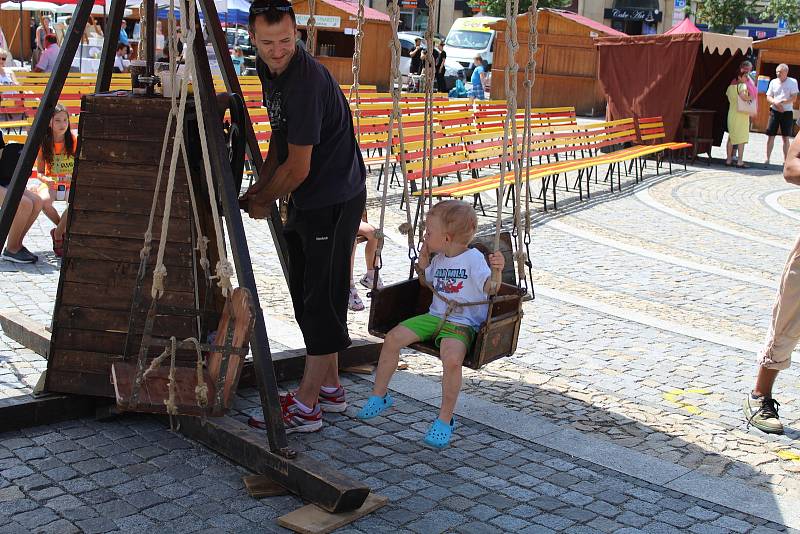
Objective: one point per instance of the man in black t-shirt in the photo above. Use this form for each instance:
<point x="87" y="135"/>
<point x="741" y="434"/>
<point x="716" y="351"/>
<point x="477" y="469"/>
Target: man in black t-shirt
<point x="441" y="56"/>
<point x="313" y="157"/>
<point x="416" y="57"/>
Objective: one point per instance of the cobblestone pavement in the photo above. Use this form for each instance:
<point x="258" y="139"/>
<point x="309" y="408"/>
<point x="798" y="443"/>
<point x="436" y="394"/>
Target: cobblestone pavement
<point x="650" y="305"/>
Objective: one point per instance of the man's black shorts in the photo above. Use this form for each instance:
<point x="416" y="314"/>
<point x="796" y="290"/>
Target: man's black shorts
<point x="319" y="243"/>
<point x="780" y="120"/>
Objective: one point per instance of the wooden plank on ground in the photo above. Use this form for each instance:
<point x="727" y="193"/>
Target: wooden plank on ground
<point x="260" y="486"/>
<point x="312" y="519"/>
<point x="25" y="331"/>
<point x="26" y="411"/>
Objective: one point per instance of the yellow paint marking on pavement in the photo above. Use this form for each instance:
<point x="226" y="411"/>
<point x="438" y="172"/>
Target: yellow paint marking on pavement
<point x="789" y="454"/>
<point x="676" y="398"/>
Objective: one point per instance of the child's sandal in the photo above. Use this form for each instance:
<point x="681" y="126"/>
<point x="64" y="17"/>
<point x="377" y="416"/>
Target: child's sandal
<point x="375" y="406"/>
<point x="440" y="433"/>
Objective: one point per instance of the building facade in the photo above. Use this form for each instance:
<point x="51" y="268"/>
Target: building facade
<point x="642" y="17"/>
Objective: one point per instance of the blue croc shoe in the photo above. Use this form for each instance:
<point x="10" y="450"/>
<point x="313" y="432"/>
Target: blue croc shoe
<point x="440" y="432"/>
<point x="375" y="406"/>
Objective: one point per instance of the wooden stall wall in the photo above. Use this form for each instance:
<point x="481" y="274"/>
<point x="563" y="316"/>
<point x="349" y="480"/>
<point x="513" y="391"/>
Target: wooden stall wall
<point x="566" y="65"/>
<point x="375" y="52"/>
<point x="9" y="21"/>
<point x="771" y="53"/>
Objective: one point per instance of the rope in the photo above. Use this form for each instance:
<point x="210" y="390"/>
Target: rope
<point x="223" y="270"/>
<point x="311" y="27"/>
<point x="394" y="120"/>
<point x="511" y="110"/>
<point x="172" y="407"/>
<point x="354" y="89"/>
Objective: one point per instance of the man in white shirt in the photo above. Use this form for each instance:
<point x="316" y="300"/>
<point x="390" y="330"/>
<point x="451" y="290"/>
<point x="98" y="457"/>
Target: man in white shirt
<point x="47" y="61"/>
<point x="780" y="95"/>
<point x="120" y="63"/>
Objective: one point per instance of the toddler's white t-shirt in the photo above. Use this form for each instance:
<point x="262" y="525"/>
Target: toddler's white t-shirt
<point x="460" y="278"/>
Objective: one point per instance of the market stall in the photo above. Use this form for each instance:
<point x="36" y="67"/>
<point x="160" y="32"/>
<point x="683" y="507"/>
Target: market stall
<point x="680" y="76"/>
<point x="566" y="63"/>
<point x="771" y="53"/>
<point x="336" y="28"/>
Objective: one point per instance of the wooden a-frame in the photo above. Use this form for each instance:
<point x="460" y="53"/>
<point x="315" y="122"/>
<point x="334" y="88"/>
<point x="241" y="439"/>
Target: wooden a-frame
<point x="304" y="476"/>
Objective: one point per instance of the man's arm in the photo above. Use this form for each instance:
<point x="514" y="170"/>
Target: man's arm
<point x="791" y="169"/>
<point x="278" y="183"/>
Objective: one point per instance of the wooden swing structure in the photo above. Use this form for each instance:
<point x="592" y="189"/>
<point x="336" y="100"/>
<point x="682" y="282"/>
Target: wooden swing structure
<point x="392" y="304"/>
<point x="198" y="321"/>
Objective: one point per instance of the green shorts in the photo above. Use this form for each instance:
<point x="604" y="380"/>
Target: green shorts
<point x="425" y="326"/>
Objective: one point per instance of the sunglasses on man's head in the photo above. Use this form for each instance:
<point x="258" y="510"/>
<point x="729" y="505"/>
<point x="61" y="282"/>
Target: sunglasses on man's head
<point x="3" y="58"/>
<point x="257" y="7"/>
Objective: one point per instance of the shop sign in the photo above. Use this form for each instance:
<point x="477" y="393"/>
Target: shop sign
<point x="628" y="13"/>
<point x="322" y="21"/>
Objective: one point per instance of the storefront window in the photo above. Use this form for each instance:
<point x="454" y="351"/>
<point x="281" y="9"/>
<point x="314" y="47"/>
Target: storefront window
<point x="635" y="17"/>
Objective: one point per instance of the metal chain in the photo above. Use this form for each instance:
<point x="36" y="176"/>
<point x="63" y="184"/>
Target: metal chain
<point x="354" y="88"/>
<point x="510" y="120"/>
<point x="530" y="79"/>
<point x="311" y="27"/>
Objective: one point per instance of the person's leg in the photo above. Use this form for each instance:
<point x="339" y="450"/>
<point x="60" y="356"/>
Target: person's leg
<point x="19" y="226"/>
<point x="326" y="291"/>
<point x="729" y="151"/>
<point x="740" y="150"/>
<point x="770" y="144"/>
<point x="48" y="197"/>
<point x="36" y="202"/>
<point x="61" y="227"/>
<point x="451" y="353"/>
<point x="787" y="141"/>
<point x="782" y="338"/>
<point x="317" y="369"/>
<point x="397" y="338"/>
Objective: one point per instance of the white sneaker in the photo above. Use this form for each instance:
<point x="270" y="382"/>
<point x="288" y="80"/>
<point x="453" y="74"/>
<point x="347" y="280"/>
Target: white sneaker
<point x="354" y="302"/>
<point x="366" y="281"/>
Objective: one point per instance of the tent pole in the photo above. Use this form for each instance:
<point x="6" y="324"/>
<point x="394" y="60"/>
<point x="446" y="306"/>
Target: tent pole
<point x="21" y="38"/>
<point x="709" y="82"/>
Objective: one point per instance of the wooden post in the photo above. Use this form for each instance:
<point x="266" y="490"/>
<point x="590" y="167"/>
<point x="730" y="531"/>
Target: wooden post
<point x="110" y="46"/>
<point x="150" y="36"/>
<point x="42" y="120"/>
<point x="220" y="168"/>
<point x="229" y="76"/>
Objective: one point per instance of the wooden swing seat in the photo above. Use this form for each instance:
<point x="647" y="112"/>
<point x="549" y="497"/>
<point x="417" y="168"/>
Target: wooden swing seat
<point x="224" y="361"/>
<point x="497" y="337"/>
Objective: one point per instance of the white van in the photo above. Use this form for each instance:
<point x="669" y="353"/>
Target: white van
<point x="469" y="37"/>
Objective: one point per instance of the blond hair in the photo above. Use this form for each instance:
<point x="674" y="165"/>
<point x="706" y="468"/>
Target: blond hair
<point x="458" y="218"/>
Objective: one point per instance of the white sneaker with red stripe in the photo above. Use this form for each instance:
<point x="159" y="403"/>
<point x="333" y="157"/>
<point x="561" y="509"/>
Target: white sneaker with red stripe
<point x="335" y="402"/>
<point x="295" y="419"/>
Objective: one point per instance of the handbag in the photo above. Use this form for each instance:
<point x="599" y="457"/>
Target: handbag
<point x="744" y="106"/>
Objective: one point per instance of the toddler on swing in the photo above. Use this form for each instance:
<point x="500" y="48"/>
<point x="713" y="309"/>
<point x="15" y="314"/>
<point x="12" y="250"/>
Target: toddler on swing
<point x="461" y="275"/>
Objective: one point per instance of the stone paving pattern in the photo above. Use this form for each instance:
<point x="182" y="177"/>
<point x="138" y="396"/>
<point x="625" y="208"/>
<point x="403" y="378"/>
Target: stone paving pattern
<point x="657" y="391"/>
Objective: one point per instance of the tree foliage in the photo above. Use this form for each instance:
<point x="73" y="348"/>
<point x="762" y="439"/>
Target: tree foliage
<point x="497" y="8"/>
<point x="788" y="10"/>
<point x="724" y="16"/>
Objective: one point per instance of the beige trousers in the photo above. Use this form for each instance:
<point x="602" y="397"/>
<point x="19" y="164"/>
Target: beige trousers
<point x="784" y="330"/>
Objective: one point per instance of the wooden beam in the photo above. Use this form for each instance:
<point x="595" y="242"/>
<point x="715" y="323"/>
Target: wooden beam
<point x="221" y="171"/>
<point x="41" y="122"/>
<point x="26" y="411"/>
<point x="304" y="476"/>
<point x="711" y="80"/>
<point x="25" y="331"/>
<point x="110" y="41"/>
